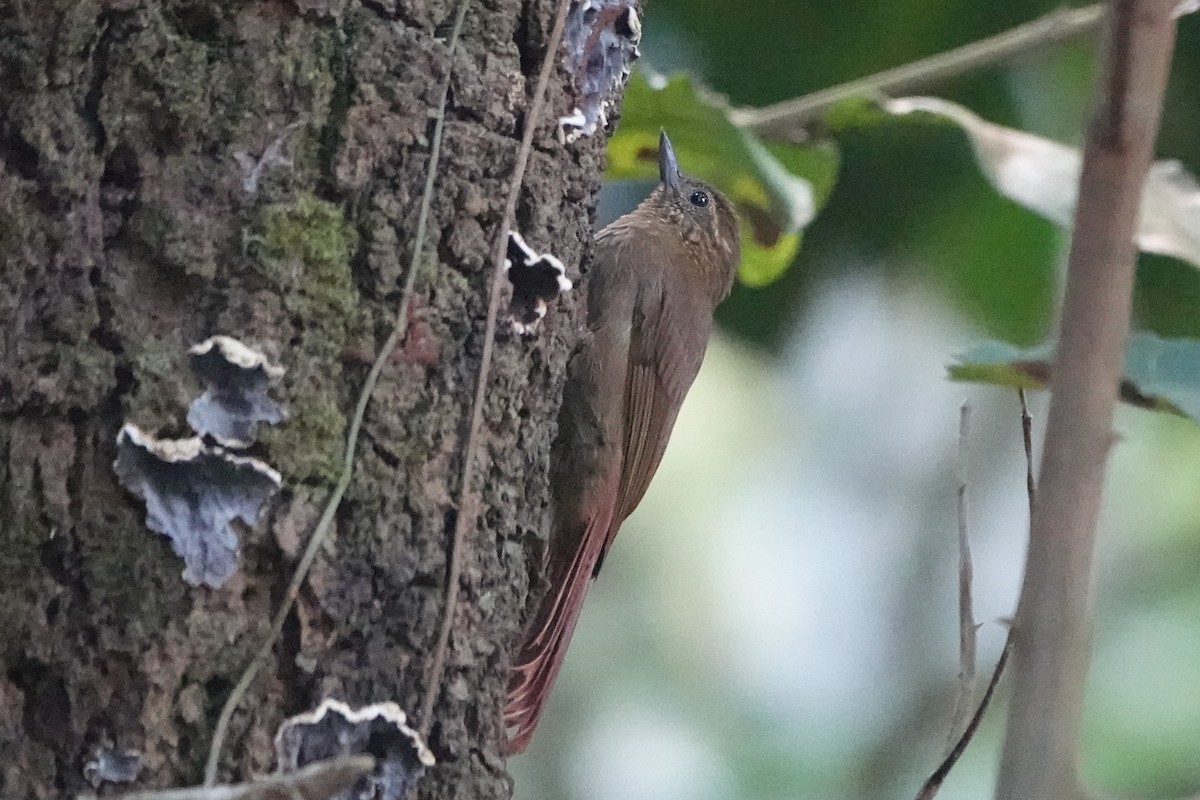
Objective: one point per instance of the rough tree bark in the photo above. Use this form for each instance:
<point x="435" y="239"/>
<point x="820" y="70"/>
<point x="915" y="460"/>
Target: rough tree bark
<point x="127" y="234"/>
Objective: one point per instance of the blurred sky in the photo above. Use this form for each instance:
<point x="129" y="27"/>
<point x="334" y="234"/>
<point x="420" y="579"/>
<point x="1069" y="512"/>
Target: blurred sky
<point x="778" y="619"/>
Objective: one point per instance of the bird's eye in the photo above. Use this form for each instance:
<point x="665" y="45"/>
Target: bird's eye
<point x="699" y="199"/>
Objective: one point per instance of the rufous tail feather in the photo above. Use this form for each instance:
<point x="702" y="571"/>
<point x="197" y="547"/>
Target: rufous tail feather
<point x="542" y="656"/>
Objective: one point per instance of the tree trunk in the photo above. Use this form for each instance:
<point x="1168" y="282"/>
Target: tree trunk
<point x="130" y="229"/>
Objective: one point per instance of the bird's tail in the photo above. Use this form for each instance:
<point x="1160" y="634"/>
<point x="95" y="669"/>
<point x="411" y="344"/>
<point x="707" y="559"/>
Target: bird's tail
<point x="541" y="658"/>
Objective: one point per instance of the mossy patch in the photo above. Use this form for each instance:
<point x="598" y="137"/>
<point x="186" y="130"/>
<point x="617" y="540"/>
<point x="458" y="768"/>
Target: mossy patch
<point x="308" y="446"/>
<point x="304" y="247"/>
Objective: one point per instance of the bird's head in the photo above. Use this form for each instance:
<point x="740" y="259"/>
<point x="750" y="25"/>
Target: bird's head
<point x="705" y="218"/>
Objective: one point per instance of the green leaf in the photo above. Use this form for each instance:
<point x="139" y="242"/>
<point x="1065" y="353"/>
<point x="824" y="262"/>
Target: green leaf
<point x="1003" y="364"/>
<point x="1160" y="374"/>
<point x="777" y="188"/>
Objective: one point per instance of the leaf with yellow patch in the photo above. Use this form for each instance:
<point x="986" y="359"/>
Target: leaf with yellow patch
<point x="776" y="188"/>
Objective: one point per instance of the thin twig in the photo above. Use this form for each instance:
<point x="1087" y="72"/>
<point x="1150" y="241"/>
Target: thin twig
<point x="466" y="500"/>
<point x="321" y="531"/>
<point x="935" y="780"/>
<point x="1053" y="623"/>
<point x="966" y="614"/>
<point x="788" y="118"/>
<point x="1027" y="439"/>
<point x="319" y="781"/>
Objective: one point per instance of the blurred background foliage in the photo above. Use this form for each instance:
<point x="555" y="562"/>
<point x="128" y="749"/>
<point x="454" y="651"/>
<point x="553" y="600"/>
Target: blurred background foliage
<point x="778" y="619"/>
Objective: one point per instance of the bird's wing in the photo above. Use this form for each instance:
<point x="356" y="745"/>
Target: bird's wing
<point x="667" y="344"/>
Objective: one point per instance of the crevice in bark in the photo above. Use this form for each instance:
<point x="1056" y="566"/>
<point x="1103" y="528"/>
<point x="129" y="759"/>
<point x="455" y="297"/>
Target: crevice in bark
<point x="109" y="24"/>
<point x="288" y="671"/>
<point x="54" y="556"/>
<point x="379" y="9"/>
<point x="19" y="156"/>
<point x="47" y="706"/>
<point x="197" y="21"/>
<point x="526" y="42"/>
<point x="382" y="453"/>
<point x="103" y="334"/>
<point x="120" y="185"/>
<point x="340" y="101"/>
<point x="76" y="486"/>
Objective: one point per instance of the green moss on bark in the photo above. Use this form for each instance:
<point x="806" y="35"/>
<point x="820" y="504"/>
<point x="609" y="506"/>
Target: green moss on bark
<point x="305" y="247"/>
<point x="308" y="446"/>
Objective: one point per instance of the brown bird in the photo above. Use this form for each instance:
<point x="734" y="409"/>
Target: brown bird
<point x="658" y="274"/>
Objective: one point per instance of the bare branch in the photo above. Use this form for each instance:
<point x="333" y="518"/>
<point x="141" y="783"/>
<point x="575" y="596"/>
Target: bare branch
<point x="966" y="614"/>
<point x="321" y="531"/>
<point x="1052" y="627"/>
<point x="786" y="120"/>
<point x="467" y="512"/>
<point x="319" y="781"/>
<point x="934" y="783"/>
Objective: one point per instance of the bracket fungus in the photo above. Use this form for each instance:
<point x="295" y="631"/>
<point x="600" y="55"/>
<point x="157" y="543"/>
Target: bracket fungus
<point x="335" y="729"/>
<point x="601" y="44"/>
<point x="235" y="400"/>
<point x="193" y="493"/>
<point x="537" y="278"/>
